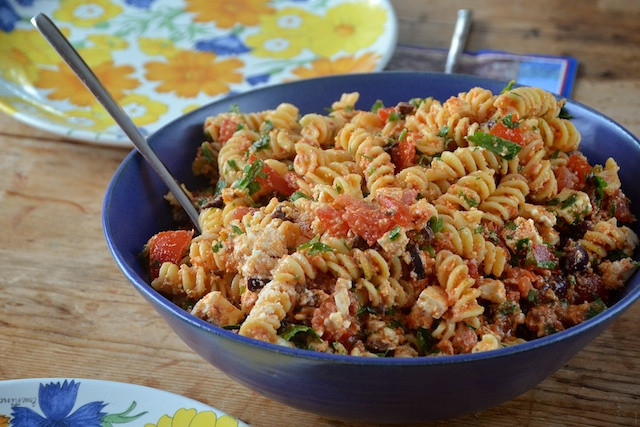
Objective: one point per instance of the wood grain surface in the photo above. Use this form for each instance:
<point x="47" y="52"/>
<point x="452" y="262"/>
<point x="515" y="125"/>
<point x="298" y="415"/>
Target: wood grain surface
<point x="67" y="311"/>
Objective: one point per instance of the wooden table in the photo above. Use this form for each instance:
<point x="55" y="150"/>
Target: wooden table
<point x="67" y="311"/>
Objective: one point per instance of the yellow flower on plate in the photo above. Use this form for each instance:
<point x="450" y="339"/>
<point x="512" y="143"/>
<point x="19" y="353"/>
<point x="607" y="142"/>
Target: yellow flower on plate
<point x="348" y="27"/>
<point x="291" y="20"/>
<point x="192" y="418"/>
<point x="21" y="51"/>
<point x="348" y="64"/>
<point x="188" y="73"/>
<point x="86" y="13"/>
<point x="97" y="119"/>
<point x="157" y="46"/>
<point x="227" y="13"/>
<point x="142" y="109"/>
<point x="65" y="85"/>
<point x="106" y="41"/>
<point x="267" y="45"/>
<point x="4" y="421"/>
<point x="284" y="34"/>
<point x="33" y="108"/>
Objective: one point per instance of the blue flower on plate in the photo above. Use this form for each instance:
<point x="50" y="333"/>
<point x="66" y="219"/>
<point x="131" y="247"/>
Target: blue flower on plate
<point x="142" y="4"/>
<point x="229" y="44"/>
<point x="258" y="78"/>
<point x="8" y="17"/>
<point x="56" y="402"/>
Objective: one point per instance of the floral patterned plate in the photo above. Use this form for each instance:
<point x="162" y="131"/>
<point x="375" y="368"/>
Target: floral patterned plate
<point x="87" y="403"/>
<point x="162" y="58"/>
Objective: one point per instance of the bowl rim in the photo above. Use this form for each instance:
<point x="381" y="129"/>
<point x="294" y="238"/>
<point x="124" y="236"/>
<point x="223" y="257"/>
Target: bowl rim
<point x="148" y="292"/>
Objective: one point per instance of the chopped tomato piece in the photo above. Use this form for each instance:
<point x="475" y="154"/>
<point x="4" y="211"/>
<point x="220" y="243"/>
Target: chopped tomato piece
<point x="578" y="163"/>
<point x="269" y="179"/>
<point x="168" y="246"/>
<point x="566" y="178"/>
<point x="384" y="113"/>
<point x="511" y="134"/>
<point x="403" y="154"/>
<point x="241" y="211"/>
<point x="372" y="221"/>
<point x="227" y="129"/>
<point x="331" y="218"/>
<point x="542" y="253"/>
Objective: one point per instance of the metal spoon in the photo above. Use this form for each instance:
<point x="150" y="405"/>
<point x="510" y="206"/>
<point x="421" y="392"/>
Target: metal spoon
<point x="60" y="43"/>
<point x="458" y="40"/>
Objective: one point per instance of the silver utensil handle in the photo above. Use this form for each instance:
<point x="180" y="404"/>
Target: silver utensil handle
<point x="458" y="40"/>
<point x="60" y="43"/>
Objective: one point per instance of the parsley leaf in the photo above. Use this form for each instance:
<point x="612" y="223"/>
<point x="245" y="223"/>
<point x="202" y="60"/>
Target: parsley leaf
<point x="207" y="154"/>
<point x="508" y="87"/>
<point x="250" y="172"/>
<point x="395" y="232"/>
<point x="233" y="108"/>
<point x="500" y="146"/>
<point x="596" y="307"/>
<point x="221" y="184"/>
<point x="569" y="201"/>
<point x="299" y="195"/>
<point x="376" y="106"/>
<point x="436" y="224"/>
<point x="508" y="121"/>
<point x="315" y="246"/>
<point x="564" y="114"/>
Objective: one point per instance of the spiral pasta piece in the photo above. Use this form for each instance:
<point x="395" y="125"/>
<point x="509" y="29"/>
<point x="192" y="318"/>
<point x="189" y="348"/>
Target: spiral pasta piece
<point x="503" y="204"/>
<point x="528" y="102"/>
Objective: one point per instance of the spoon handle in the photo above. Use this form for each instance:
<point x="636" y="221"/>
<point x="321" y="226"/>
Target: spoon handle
<point x="458" y="40"/>
<point x="60" y="43"/>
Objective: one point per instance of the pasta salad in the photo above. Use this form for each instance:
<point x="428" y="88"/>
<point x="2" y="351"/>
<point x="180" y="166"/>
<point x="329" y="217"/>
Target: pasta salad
<point x="423" y="228"/>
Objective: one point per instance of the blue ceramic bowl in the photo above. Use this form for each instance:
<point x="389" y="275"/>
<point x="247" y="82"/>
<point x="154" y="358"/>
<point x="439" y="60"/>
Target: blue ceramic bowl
<point x="346" y="387"/>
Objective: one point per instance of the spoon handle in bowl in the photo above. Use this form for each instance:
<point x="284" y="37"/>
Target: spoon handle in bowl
<point x="60" y="43"/>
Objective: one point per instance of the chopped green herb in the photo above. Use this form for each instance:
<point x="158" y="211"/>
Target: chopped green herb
<point x="479" y="229"/>
<point x="429" y="249"/>
<point x="616" y="255"/>
<point x="250" y="172"/>
<point x="522" y="243"/>
<point x="499" y="146"/>
<point x="493" y="236"/>
<point x="402" y="135"/>
<point x="532" y="296"/>
<point x="207" y="136"/>
<point x="564" y="114"/>
<point x="596" y="307"/>
<point x="508" y="121"/>
<point x="548" y="264"/>
<point x="436" y="224"/>
<point x="554" y="155"/>
<point x="424" y="160"/>
<point x="220" y="185"/>
<point x="366" y="157"/>
<point x="444" y="132"/>
<point x="233" y="108"/>
<point x="395" y="232"/>
<point x="394" y="116"/>
<point x="239" y="127"/>
<point x="291" y="330"/>
<point x="508" y="87"/>
<point x="612" y="209"/>
<point x="507" y="307"/>
<point x="236" y="229"/>
<point x="207" y="154"/>
<point x="425" y="342"/>
<point x="550" y="329"/>
<point x="299" y="195"/>
<point x="416" y="102"/>
<point x="233" y="165"/>
<point x="569" y="201"/>
<point x="366" y="309"/>
<point x="553" y="202"/>
<point x="216" y="248"/>
<point x="376" y="106"/>
<point x="262" y="143"/>
<point x="471" y="202"/>
<point x="315" y="246"/>
<point x="600" y="185"/>
<point x="231" y="327"/>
